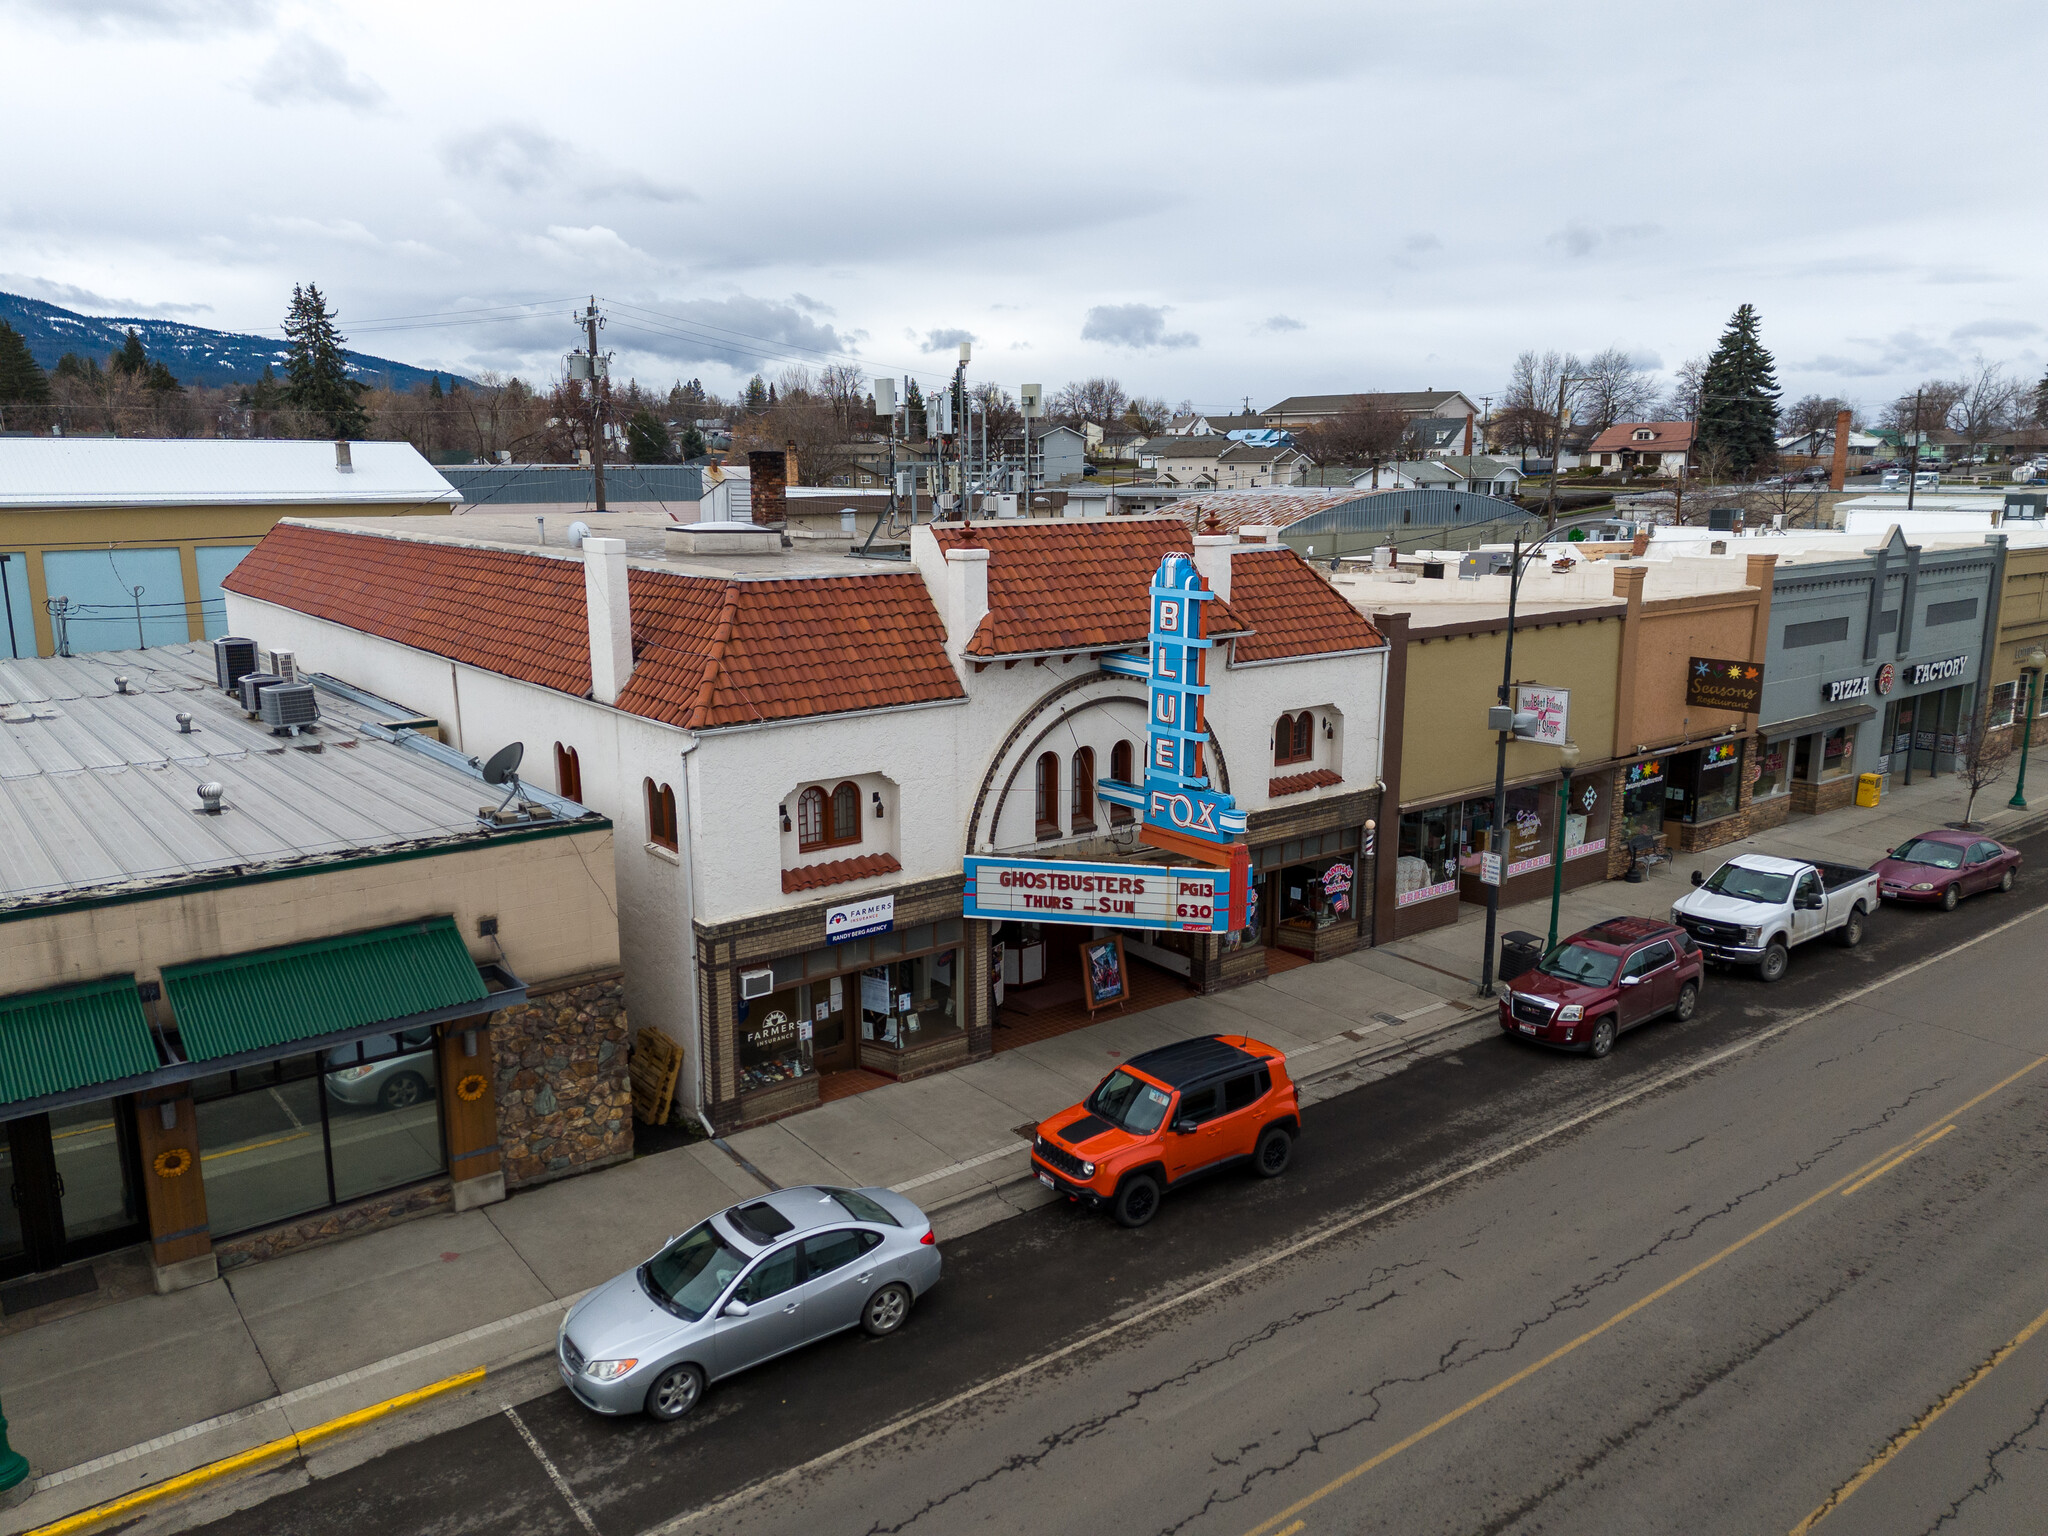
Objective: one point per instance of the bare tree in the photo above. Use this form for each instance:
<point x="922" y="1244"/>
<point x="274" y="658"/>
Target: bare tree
<point x="1527" y="416"/>
<point x="1815" y="413"/>
<point x="1987" y="404"/>
<point x="999" y="409"/>
<point x="1368" y="435"/>
<point x="1682" y="398"/>
<point x="1614" y="388"/>
<point x="1147" y="414"/>
<point x="844" y="387"/>
<point x="1982" y="757"/>
<point x="1098" y="400"/>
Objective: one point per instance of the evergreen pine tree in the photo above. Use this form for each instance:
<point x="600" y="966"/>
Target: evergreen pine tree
<point x="433" y="386"/>
<point x="771" y="394"/>
<point x="755" y="400"/>
<point x="319" y="382"/>
<point x="913" y="413"/>
<point x="162" y="380"/>
<point x="1739" y="399"/>
<point x="265" y="395"/>
<point x="647" y="438"/>
<point x="72" y="366"/>
<point x="2041" y="402"/>
<point x="692" y="446"/>
<point x="132" y="359"/>
<point x="22" y="382"/>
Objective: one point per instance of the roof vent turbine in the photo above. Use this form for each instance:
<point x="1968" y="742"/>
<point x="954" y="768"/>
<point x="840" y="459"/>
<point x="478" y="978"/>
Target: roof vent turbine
<point x="209" y="798"/>
<point x="184" y="723"/>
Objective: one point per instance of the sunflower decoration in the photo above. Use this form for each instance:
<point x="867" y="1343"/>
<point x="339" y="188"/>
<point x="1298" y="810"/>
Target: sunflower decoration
<point x="471" y="1088"/>
<point x="172" y="1163"/>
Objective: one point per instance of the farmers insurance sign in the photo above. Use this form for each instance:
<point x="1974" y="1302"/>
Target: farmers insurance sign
<point x="1114" y="895"/>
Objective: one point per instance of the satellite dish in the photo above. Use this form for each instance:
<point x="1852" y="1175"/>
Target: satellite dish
<point x="504" y="764"/>
<point x="578" y="532"/>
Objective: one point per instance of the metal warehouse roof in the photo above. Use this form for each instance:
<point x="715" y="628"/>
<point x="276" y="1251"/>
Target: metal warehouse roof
<point x="1368" y="510"/>
<point x="99" y="789"/>
<point x="38" y="472"/>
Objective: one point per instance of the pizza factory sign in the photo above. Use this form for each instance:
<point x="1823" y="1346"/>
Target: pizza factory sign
<point x="1948" y="671"/>
<point x="1844" y="689"/>
<point x="1116" y="895"/>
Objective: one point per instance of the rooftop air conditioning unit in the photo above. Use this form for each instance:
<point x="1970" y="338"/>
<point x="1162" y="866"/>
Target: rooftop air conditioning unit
<point x="288" y="706"/>
<point x="251" y="685"/>
<point x="755" y="984"/>
<point x="233" y="657"/>
<point x="285" y="664"/>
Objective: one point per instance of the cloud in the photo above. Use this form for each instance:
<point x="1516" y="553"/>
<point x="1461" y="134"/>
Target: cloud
<point x="304" y="70"/>
<point x="1281" y="323"/>
<point x="1577" y="239"/>
<point x="1901" y="354"/>
<point x="72" y="297"/>
<point x="525" y="160"/>
<point x="805" y="302"/>
<point x="159" y="15"/>
<point x="1417" y="244"/>
<point x="945" y="339"/>
<point x="1134" y="325"/>
<point x="741" y="332"/>
<point x="1998" y="330"/>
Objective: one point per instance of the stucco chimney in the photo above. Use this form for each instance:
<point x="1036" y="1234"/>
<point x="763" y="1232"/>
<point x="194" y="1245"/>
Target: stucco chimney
<point x="1212" y="559"/>
<point x="611" y="617"/>
<point x="966" y="594"/>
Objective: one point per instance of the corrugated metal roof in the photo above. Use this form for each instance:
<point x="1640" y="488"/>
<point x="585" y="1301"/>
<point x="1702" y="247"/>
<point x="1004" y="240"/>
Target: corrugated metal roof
<point x="1367" y="510"/>
<point x="72" y="1037"/>
<point x="272" y="997"/>
<point x="211" y="471"/>
<point x="99" y="789"/>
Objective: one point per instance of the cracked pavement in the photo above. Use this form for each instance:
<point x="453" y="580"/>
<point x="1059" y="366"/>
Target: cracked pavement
<point x="1737" y="1402"/>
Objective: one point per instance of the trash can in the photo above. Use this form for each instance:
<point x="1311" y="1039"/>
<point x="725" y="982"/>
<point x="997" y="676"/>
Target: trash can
<point x="1867" y="788"/>
<point x="1519" y="953"/>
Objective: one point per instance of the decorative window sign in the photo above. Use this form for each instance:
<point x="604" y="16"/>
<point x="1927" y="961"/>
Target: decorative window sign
<point x="1114" y="895"/>
<point x="1643" y="775"/>
<point x="857" y="919"/>
<point x="1552" y="708"/>
<point x="1843" y="689"/>
<point x="1938" y="671"/>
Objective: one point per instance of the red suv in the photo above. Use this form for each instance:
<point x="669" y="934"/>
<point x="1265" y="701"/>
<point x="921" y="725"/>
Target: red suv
<point x="1167" y="1115"/>
<point x="1614" y="976"/>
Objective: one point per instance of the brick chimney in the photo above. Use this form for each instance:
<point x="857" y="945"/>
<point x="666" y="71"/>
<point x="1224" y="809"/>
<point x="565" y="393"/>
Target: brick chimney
<point x="611" y="617"/>
<point x="771" y="471"/>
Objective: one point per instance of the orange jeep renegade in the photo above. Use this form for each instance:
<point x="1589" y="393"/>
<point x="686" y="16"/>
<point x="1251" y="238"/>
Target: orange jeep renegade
<point x="1167" y="1115"/>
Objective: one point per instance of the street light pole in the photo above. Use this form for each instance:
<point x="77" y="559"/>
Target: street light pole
<point x="1567" y="760"/>
<point x="2031" y="665"/>
<point x="15" y="1482"/>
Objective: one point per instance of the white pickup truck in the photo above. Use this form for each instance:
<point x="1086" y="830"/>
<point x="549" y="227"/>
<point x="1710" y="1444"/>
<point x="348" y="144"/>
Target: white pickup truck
<point x="1754" y="909"/>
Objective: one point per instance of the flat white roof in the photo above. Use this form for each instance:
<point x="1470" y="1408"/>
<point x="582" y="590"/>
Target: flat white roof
<point x="40" y="472"/>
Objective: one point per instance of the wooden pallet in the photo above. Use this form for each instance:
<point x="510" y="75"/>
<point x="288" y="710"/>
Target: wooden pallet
<point x="657" y="1061"/>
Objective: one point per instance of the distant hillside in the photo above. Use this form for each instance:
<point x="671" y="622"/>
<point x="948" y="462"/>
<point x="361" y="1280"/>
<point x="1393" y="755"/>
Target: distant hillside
<point x="194" y="353"/>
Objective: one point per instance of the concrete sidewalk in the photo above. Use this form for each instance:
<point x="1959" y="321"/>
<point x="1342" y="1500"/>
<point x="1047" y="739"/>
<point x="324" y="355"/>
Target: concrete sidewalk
<point x="107" y="1401"/>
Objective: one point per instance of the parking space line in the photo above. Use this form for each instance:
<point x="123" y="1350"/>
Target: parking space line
<point x="554" y="1473"/>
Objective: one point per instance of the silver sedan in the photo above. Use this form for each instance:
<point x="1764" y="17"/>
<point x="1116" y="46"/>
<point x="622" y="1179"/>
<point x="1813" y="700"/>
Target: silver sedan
<point x="752" y="1282"/>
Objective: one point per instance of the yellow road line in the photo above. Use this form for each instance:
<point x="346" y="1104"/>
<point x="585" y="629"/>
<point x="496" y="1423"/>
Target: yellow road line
<point x="256" y="1455"/>
<point x="254" y="1146"/>
<point x="1888" y="1167"/>
<point x="1295" y="1529"/>
<point x="1629" y="1311"/>
<point x="1911" y="1432"/>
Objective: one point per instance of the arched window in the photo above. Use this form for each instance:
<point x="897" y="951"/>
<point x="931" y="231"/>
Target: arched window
<point x="1120" y="770"/>
<point x="1084" y="790"/>
<point x="568" y="774"/>
<point x="661" y="815"/>
<point x="1294" y="738"/>
<point x="1049" y="795"/>
<point x="828" y="821"/>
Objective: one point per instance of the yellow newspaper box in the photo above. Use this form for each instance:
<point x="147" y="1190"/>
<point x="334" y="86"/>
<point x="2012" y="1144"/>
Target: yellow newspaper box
<point x="1867" y="785"/>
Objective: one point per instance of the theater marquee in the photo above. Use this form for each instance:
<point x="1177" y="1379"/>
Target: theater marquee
<point x="1113" y="895"/>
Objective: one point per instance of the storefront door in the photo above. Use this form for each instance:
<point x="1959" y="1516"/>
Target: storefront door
<point x="832" y="1038"/>
<point x="71" y="1189"/>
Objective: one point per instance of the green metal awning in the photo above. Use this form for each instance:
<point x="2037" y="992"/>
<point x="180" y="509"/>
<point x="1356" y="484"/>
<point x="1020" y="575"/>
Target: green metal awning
<point x="73" y="1037"/>
<point x="273" y="997"/>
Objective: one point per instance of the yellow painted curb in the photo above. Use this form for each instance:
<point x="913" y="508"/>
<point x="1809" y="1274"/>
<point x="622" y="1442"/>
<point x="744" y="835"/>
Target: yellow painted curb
<point x="284" y="1445"/>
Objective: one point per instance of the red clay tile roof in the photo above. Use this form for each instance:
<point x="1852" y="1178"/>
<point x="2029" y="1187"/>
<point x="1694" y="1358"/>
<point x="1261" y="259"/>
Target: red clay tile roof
<point x="808" y="877"/>
<point x="1672" y="437"/>
<point x="1301" y="783"/>
<point x="1292" y="611"/>
<point x="1073" y="586"/>
<point x="708" y="652"/>
<point x="1276" y="508"/>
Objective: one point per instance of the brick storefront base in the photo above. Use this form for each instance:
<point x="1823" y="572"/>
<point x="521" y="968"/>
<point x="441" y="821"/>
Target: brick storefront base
<point x="343" y="1221"/>
<point x="1829" y="795"/>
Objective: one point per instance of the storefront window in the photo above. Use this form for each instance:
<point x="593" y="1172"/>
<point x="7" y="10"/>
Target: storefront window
<point x="1427" y="863"/>
<point x="2004" y="704"/>
<point x="1838" y="752"/>
<point x="910" y="1002"/>
<point x="1530" y="827"/>
<point x="1478" y="833"/>
<point x="775" y="1039"/>
<point x="1717" y="778"/>
<point x="1772" y="778"/>
<point x="1642" y="800"/>
<point x="1317" y="896"/>
<point x="307" y="1132"/>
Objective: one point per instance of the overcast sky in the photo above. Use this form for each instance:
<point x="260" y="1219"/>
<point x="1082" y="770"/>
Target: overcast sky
<point x="1206" y="201"/>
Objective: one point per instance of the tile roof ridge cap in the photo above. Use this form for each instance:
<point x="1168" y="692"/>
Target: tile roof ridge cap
<point x="714" y="657"/>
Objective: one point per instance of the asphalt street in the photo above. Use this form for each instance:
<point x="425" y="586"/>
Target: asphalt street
<point x="1776" y="1265"/>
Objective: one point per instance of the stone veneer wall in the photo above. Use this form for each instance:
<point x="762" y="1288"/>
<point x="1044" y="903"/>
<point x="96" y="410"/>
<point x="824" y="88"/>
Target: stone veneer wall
<point x="565" y="1102"/>
<point x="343" y="1221"/>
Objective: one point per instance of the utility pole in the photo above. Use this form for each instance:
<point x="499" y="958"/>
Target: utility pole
<point x="1913" y="467"/>
<point x="1556" y="457"/>
<point x="599" y="386"/>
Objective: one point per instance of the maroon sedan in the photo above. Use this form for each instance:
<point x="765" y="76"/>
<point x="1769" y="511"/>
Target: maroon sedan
<point x="1614" y="976"/>
<point x="1941" y="868"/>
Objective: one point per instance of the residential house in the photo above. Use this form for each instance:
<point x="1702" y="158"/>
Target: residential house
<point x="1250" y="466"/>
<point x="1189" y="461"/>
<point x="1864" y="447"/>
<point x="1658" y="447"/>
<point x="1200" y="425"/>
<point x="1435" y="437"/>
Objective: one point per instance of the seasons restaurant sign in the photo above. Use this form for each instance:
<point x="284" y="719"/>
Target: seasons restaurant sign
<point x="1717" y="683"/>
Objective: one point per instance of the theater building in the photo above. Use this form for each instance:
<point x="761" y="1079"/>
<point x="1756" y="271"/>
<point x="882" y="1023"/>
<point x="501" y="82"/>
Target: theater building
<point x="802" y="752"/>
